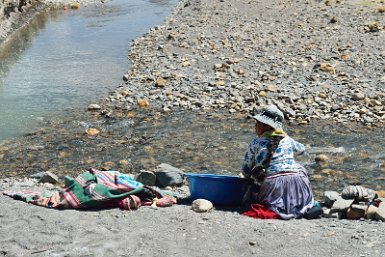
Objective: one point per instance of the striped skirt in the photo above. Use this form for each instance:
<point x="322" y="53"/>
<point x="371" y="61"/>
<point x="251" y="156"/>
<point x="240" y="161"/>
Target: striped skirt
<point x="288" y="194"/>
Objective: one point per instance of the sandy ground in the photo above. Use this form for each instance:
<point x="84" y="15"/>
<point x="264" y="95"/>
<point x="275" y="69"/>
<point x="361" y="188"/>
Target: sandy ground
<point x="28" y="230"/>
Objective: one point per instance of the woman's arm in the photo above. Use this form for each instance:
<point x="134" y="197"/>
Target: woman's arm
<point x="248" y="161"/>
<point x="298" y="147"/>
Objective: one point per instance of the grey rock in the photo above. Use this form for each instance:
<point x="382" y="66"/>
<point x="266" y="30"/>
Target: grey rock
<point x="146" y="177"/>
<point x="341" y="205"/>
<point x="330" y="197"/>
<point x="49" y="177"/>
<point x="358" y="193"/>
<point x="358" y="96"/>
<point x="167" y="175"/>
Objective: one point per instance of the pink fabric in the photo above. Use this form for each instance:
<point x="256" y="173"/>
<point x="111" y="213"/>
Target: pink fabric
<point x="131" y="202"/>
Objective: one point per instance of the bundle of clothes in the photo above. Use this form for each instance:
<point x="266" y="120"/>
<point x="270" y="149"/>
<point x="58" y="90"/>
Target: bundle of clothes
<point x="98" y="189"/>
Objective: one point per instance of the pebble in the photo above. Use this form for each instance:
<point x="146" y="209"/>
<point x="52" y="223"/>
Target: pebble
<point x="94" y="107"/>
<point x="321" y="158"/>
<point x="202" y="205"/>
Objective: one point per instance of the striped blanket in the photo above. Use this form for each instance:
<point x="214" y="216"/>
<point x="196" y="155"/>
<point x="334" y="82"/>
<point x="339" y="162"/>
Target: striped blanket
<point x="96" y="189"/>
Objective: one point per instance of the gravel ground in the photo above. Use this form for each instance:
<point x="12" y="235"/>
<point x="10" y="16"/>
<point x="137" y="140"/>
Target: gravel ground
<point x="28" y="230"/>
<point x="314" y="60"/>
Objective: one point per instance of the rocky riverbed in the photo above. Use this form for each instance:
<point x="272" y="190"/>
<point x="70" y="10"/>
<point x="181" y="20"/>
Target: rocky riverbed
<point x="313" y="59"/>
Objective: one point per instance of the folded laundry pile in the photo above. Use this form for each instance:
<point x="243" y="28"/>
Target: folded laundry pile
<point x="97" y="189"/>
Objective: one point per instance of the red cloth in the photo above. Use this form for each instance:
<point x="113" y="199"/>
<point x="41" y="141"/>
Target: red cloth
<point x="259" y="211"/>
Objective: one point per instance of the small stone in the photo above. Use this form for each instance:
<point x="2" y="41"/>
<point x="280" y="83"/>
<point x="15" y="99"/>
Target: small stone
<point x="143" y="103"/>
<point x="272" y="88"/>
<point x="92" y="131"/>
<point x="333" y="19"/>
<point x="74" y="6"/>
<point x="220" y="83"/>
<point x="49" y="177"/>
<point x="326" y="67"/>
<point x="160" y="82"/>
<point x="322" y="95"/>
<point x="373" y="27"/>
<point x="358" y="96"/>
<point x="262" y="93"/>
<point x="94" y="107"/>
<point x="123" y="162"/>
<point x="321" y="158"/>
<point x="201" y="205"/>
<point x="218" y="66"/>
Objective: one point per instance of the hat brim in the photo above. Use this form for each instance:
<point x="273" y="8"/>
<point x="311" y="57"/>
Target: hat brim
<point x="272" y="123"/>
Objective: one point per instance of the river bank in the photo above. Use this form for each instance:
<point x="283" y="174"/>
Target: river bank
<point x="124" y="130"/>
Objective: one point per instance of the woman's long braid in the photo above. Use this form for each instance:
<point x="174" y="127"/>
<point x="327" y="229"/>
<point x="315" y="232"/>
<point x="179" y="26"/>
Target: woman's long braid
<point x="271" y="147"/>
<point x="259" y="172"/>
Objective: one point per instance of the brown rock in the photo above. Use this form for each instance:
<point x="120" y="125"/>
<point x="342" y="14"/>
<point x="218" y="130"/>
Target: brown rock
<point x="326" y="67"/>
<point x="373" y="27"/>
<point x="358" y="96"/>
<point x="321" y="158"/>
<point x="262" y="93"/>
<point x="356" y="212"/>
<point x="143" y="103"/>
<point x="92" y="131"/>
<point x="160" y="82"/>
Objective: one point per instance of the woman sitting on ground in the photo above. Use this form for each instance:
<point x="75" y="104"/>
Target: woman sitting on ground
<point x="283" y="189"/>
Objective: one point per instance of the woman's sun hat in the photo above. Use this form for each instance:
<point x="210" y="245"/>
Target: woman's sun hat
<point x="271" y="116"/>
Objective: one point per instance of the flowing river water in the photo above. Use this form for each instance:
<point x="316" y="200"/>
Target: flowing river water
<point x="64" y="59"/>
<point x="195" y="142"/>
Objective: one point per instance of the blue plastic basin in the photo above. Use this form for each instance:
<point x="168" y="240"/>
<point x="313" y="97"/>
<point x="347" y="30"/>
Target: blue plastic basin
<point x="218" y="189"/>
